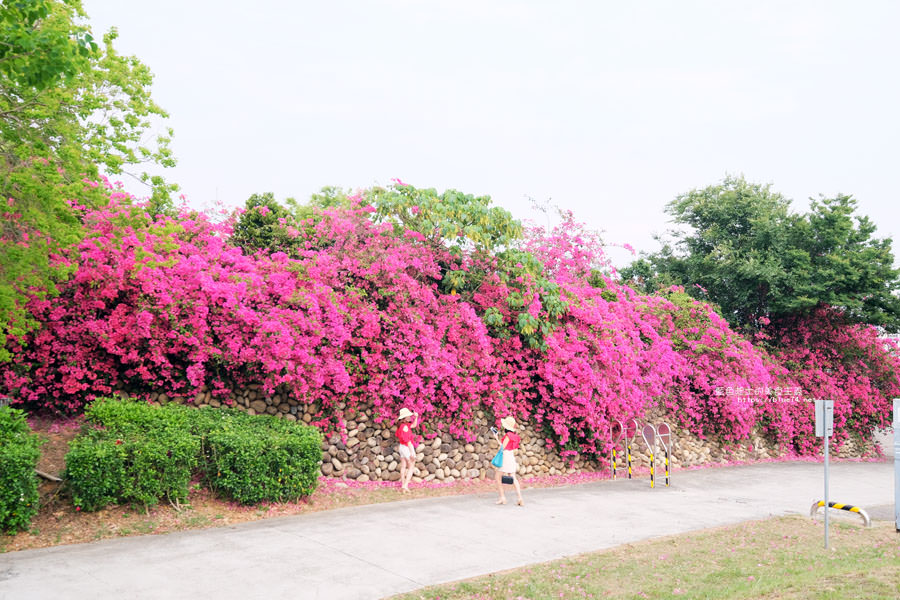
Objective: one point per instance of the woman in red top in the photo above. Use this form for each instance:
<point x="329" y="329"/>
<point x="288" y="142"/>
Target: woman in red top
<point x="509" y="443"/>
<point x="407" y="447"/>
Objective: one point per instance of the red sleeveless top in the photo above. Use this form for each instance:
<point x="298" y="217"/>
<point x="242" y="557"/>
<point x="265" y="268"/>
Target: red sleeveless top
<point x="512" y="440"/>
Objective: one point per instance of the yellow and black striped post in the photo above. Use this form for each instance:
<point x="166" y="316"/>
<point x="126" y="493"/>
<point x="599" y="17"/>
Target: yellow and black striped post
<point x="615" y="434"/>
<point x="628" y="457"/>
<point x="631" y="431"/>
<point x="667" y="467"/>
<point x="649" y="435"/>
<point x="665" y="438"/>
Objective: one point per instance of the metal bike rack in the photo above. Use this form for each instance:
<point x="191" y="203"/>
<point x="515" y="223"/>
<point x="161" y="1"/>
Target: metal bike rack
<point x="665" y="438"/>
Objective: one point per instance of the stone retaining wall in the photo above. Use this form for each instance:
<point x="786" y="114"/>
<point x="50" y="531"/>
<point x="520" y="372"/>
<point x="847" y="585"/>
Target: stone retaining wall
<point x="367" y="451"/>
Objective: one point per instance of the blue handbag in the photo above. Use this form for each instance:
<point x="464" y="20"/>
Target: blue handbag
<point x="497" y="461"/>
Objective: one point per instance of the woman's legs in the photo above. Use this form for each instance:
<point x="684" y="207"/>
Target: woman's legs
<point x="410" y="466"/>
<point x="518" y="489"/>
<point x="497" y="475"/>
<point x="403" y="469"/>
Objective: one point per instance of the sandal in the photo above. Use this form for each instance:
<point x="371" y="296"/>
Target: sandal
<point x="521" y="503"/>
<point x="500" y="502"/>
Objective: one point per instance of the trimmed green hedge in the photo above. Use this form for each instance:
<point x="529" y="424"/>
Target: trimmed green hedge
<point x="133" y="452"/>
<point x="19" y="454"/>
<point x="255" y="464"/>
<point x="95" y="470"/>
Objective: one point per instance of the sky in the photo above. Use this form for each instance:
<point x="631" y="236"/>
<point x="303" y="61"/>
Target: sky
<point x="607" y="109"/>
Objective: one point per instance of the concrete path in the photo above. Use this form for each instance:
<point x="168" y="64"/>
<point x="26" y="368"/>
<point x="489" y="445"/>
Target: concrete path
<point x="375" y="551"/>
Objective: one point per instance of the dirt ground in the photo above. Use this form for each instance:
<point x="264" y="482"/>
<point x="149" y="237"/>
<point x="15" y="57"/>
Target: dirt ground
<point x="57" y="521"/>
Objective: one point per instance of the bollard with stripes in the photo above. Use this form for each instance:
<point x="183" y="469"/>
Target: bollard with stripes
<point x="649" y="435"/>
<point x="617" y="431"/>
<point x="837" y="505"/>
<point x="665" y="438"/>
<point x="630" y="433"/>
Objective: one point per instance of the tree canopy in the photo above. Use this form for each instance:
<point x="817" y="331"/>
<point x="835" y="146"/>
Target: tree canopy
<point x="71" y="110"/>
<point x="741" y="247"/>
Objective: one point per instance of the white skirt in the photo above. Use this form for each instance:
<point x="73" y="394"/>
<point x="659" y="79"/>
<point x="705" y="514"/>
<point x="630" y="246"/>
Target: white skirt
<point x="509" y="462"/>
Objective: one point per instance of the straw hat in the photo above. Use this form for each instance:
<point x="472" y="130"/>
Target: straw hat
<point x="404" y="412"/>
<point x="508" y="423"/>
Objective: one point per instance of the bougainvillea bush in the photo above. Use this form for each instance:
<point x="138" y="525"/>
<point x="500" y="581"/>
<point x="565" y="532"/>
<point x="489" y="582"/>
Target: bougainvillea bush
<point x="832" y="358"/>
<point x="169" y="304"/>
<point x="383" y="303"/>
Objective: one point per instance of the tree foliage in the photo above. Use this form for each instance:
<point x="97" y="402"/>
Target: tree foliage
<point x="65" y="98"/>
<point x="71" y="109"/>
<point x="841" y="264"/>
<point x="263" y="225"/>
<point x="741" y="247"/>
<point x="453" y="218"/>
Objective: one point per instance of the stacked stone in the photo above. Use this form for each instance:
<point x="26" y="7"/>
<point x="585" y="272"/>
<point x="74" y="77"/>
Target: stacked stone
<point x="370" y="453"/>
<point x="367" y="451"/>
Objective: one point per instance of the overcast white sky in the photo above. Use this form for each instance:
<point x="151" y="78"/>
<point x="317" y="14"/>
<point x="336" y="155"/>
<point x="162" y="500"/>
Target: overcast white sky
<point x="609" y="108"/>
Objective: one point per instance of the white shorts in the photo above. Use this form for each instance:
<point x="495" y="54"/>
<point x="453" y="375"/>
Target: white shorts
<point x="405" y="452"/>
<point x="509" y="462"/>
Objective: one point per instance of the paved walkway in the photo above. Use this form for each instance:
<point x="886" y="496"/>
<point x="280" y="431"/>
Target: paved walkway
<point x="375" y="551"/>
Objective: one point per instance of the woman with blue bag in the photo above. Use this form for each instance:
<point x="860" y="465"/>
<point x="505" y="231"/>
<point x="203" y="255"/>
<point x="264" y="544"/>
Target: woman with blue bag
<point x="505" y="459"/>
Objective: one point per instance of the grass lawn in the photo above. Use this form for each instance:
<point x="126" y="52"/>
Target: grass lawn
<point x="779" y="558"/>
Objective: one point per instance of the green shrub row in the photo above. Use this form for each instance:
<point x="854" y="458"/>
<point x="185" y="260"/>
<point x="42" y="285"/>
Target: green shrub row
<point x="131" y="451"/>
<point x="19" y="454"/>
<point x="143" y="468"/>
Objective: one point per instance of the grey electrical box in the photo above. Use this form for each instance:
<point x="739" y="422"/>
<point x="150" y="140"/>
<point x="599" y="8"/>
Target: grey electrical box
<point x="824" y="418"/>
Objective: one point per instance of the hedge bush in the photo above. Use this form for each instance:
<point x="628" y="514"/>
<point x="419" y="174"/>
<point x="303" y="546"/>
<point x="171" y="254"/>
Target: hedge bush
<point x="19" y="454"/>
<point x="102" y="468"/>
<point x="131" y="452"/>
<point x="160" y="466"/>
<point x="134" y="452"/>
<point x="95" y="470"/>
<point x="131" y="417"/>
<point x="263" y="461"/>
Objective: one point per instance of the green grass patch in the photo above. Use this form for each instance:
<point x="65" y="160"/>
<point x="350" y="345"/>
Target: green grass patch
<point x="776" y="559"/>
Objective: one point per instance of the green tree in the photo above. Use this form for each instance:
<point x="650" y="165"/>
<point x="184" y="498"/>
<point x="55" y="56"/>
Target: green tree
<point x="263" y="225"/>
<point x="80" y="105"/>
<point x="35" y="53"/>
<point x="835" y="260"/>
<point x="69" y="108"/>
<point x="453" y="219"/>
<point x="741" y="247"/>
<point x="329" y="197"/>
